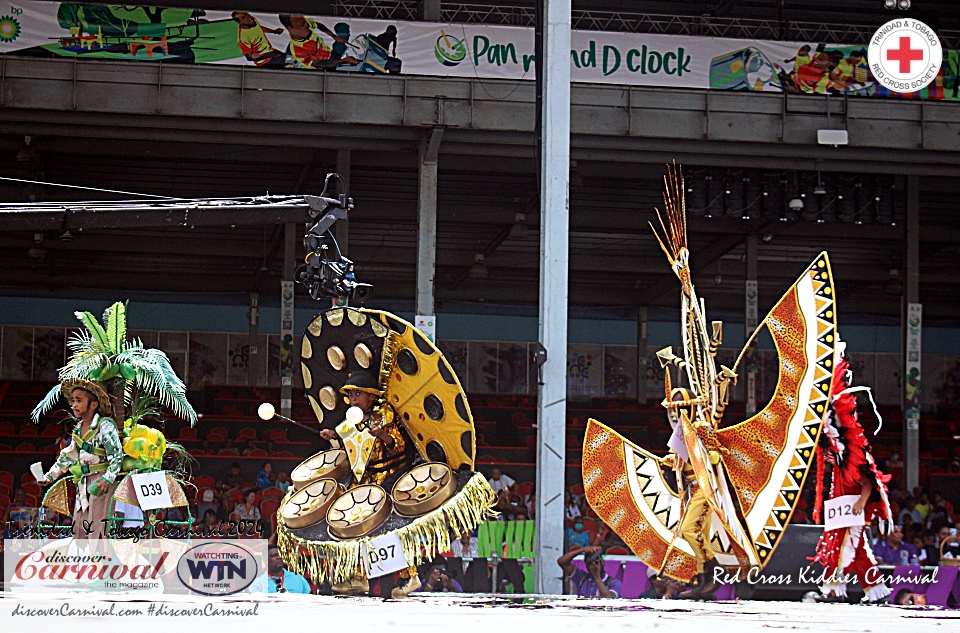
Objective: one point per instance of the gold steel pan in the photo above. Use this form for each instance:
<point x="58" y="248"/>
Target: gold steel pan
<point x="423" y="489"/>
<point x="358" y="511"/>
<point x="331" y="464"/>
<point x="309" y="505"/>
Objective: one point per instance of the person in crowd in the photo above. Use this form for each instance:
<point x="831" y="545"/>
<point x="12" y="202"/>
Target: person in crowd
<point x="576" y="536"/>
<point x="248" y="448"/>
<point x="265" y="477"/>
<point x="593" y="583"/>
<point x="499" y="481"/>
<point x="531" y="505"/>
<point x="204" y="448"/>
<point x="940" y="514"/>
<point x="922" y="506"/>
<point x="234" y="479"/>
<point x="271" y="448"/>
<point x="248" y="510"/>
<point x="209" y="502"/>
<point x="508" y="508"/>
<point x="279" y="579"/>
<point x="893" y="551"/>
<point x="570" y="509"/>
<point x="661" y="587"/>
<point x="438" y="581"/>
<point x="925" y="553"/>
<point x="910" y="514"/>
<point x="894" y="468"/>
<point x="950" y="550"/>
<point x="18" y="508"/>
<point x="210" y="524"/>
<point x="283" y="481"/>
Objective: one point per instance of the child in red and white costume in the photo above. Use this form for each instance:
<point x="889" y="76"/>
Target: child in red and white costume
<point x="845" y="552"/>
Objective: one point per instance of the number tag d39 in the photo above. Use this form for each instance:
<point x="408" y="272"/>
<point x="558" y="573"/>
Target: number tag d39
<point x="838" y="513"/>
<point x="383" y="555"/>
<point x="152" y="491"/>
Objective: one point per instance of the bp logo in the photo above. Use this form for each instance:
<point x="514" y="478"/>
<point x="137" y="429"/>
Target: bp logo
<point x="449" y="51"/>
<point x="9" y="28"/>
<point x="905" y="55"/>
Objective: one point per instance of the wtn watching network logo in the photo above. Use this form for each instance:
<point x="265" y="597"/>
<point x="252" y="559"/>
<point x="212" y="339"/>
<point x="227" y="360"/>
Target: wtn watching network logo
<point x="219" y="568"/>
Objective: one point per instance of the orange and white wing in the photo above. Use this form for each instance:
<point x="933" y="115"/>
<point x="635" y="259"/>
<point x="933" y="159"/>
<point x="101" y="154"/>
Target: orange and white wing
<point x="770" y="453"/>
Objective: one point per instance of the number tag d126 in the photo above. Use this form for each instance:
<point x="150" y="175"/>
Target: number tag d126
<point x="152" y="491"/>
<point x="383" y="555"/>
<point x="838" y="513"/>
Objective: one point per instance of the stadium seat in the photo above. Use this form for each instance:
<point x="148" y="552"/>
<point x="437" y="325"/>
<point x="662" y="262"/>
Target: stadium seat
<point x="217" y="434"/>
<point x="188" y="433"/>
<point x="228" y="451"/>
<point x="268" y="511"/>
<point x="52" y="429"/>
<point x="246" y="433"/>
<point x="5" y="447"/>
<point x="6" y="478"/>
<point x="28" y="429"/>
<point x="7" y="428"/>
<point x="616" y="550"/>
<point x="258" y="452"/>
<point x="24" y="447"/>
<point x="204" y="481"/>
<point x="272" y="493"/>
<point x="525" y="488"/>
<point x="283" y="454"/>
<point x="236" y="495"/>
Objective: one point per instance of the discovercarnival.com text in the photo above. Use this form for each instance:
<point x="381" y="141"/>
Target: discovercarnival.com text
<point x="153" y="609"/>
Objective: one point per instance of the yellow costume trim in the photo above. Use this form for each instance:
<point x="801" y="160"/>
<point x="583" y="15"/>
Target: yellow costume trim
<point x="423" y="539"/>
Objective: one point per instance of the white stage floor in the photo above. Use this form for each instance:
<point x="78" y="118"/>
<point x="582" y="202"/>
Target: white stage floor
<point x="309" y="614"/>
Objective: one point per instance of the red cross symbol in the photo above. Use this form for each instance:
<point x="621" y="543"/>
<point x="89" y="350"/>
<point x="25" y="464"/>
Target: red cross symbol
<point x="905" y="54"/>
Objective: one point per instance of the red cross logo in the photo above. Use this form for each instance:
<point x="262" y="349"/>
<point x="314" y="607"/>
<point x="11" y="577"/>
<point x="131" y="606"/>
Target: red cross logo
<point x="905" y="55"/>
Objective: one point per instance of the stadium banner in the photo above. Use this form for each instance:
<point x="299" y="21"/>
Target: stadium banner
<point x="94" y="31"/>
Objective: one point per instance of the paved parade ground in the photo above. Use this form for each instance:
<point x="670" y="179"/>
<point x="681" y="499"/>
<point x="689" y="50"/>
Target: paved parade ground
<point x="289" y="613"/>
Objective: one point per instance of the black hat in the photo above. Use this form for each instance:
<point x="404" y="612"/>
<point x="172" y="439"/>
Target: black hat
<point x="361" y="381"/>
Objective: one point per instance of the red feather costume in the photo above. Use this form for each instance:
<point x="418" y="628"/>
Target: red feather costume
<point x="844" y="550"/>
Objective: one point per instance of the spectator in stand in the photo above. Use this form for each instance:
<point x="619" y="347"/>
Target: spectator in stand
<point x="576" y="537"/>
<point x="665" y="588"/>
<point x="571" y="510"/>
<point x="894" y="468"/>
<point x="893" y="551"/>
<point x="204" y="448"/>
<point x="266" y="477"/>
<point x="499" y="481"/>
<point x="465" y="546"/>
<point x="591" y="583"/>
<point x="531" y="505"/>
<point x="922" y="506"/>
<point x="910" y="514"/>
<point x="278" y="579"/>
<point x="248" y="510"/>
<point x="507" y="507"/>
<point x="925" y="553"/>
<point x="270" y="448"/>
<point x="234" y="479"/>
<point x="282" y="482"/>
<point x="954" y="468"/>
<point x="18" y="509"/>
<point x="229" y="446"/>
<point x="940" y="513"/>
<point x="210" y="525"/>
<point x="952" y="549"/>
<point x="438" y="581"/>
<point x="249" y="448"/>
<point x="209" y="502"/>
<point x="475" y="571"/>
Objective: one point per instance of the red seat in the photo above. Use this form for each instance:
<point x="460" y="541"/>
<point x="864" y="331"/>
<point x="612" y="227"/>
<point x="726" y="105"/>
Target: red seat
<point x="616" y="550"/>
<point x="283" y="454"/>
<point x="28" y="429"/>
<point x="7" y="428"/>
<point x="247" y="433"/>
<point x="204" y="481"/>
<point x="26" y="448"/>
<point x="272" y="493"/>
<point x="188" y="433"/>
<point x="268" y="510"/>
<point x="236" y="496"/>
<point x="217" y="433"/>
<point x="525" y="488"/>
<point x="5" y="447"/>
<point x="6" y="478"/>
<point x="576" y="490"/>
<point x="258" y="452"/>
<point x="52" y="429"/>
<point x="31" y="488"/>
<point x="227" y="451"/>
<point x="279" y="435"/>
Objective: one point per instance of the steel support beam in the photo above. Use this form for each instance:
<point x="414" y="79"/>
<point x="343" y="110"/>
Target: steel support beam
<point x="342" y="227"/>
<point x="427" y="221"/>
<point x="911" y="430"/>
<point x="252" y="338"/>
<point x="289" y="266"/>
<point x="750" y="317"/>
<point x="554" y="276"/>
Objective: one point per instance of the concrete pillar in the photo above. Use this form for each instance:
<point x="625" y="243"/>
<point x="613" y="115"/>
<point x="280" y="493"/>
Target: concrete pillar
<point x="554" y="273"/>
<point x="750" y="318"/>
<point x="428" y="10"/>
<point x="342" y="228"/>
<point x="911" y="338"/>
<point x="427" y="221"/>
<point x="252" y="337"/>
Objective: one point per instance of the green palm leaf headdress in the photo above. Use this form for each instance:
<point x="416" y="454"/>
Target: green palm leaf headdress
<point x="102" y="353"/>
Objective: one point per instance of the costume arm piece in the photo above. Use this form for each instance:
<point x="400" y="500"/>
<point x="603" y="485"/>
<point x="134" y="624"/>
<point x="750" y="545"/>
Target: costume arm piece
<point x="113" y="447"/>
<point x="866" y="487"/>
<point x="68" y="456"/>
